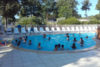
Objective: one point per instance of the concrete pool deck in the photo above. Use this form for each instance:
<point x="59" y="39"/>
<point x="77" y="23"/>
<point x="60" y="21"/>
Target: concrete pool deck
<point x="10" y="57"/>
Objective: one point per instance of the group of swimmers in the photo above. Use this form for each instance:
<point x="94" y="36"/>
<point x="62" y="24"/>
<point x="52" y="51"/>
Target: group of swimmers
<point x="57" y="46"/>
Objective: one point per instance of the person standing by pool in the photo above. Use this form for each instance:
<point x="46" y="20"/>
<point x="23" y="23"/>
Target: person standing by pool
<point x="19" y="27"/>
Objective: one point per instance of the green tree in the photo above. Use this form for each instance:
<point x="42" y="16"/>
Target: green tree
<point x="67" y="8"/>
<point x="86" y="6"/>
<point x="8" y="9"/>
<point x="98" y="6"/>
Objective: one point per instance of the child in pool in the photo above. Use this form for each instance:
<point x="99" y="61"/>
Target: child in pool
<point x="75" y="40"/>
<point x="82" y="42"/>
<point x="56" y="47"/>
<point x="73" y="46"/>
<point x="49" y="38"/>
<point x="30" y="43"/>
<point x="62" y="47"/>
<point x="44" y="35"/>
<point x="39" y="45"/>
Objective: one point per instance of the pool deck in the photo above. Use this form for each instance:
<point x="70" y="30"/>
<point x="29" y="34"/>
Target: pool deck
<point x="10" y="57"/>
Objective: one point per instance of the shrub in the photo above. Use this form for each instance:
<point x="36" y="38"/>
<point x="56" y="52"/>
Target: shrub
<point x="71" y="20"/>
<point x="29" y="20"/>
<point x="94" y="21"/>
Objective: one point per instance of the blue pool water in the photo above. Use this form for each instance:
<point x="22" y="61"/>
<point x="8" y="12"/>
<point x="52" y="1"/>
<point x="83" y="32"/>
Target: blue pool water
<point x="49" y="45"/>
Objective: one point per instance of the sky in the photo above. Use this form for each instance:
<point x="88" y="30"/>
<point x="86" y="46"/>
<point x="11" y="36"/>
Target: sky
<point x="92" y="10"/>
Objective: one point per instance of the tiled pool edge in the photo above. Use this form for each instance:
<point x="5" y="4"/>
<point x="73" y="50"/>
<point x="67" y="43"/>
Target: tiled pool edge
<point x="54" y="52"/>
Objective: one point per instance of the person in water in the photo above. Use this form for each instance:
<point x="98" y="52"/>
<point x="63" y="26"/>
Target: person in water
<point x="81" y="42"/>
<point x="19" y="42"/>
<point x="73" y="46"/>
<point x="49" y="38"/>
<point x="39" y="45"/>
<point x="86" y="36"/>
<point x="30" y="42"/>
<point x="56" y="47"/>
<point x="62" y="47"/>
<point x="75" y="40"/>
<point x="44" y="35"/>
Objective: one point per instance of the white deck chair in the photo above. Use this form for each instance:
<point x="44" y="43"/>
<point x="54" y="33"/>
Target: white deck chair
<point x="72" y="29"/>
<point x="36" y="30"/>
<point x="89" y="29"/>
<point x="41" y="29"/>
<point x="47" y="29"/>
<point x="53" y="29"/>
<point x="85" y="29"/>
<point x="16" y="31"/>
<point x="68" y="29"/>
<point x="63" y="29"/>
<point x="9" y="31"/>
<point x="58" y="29"/>
<point x="77" y="29"/>
<point x="81" y="29"/>
<point x="23" y="31"/>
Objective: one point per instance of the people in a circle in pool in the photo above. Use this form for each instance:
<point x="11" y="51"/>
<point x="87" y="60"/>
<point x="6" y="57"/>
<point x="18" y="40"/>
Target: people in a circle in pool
<point x="49" y="38"/>
<point x="81" y="42"/>
<point x="30" y="42"/>
<point x="73" y="46"/>
<point x="74" y="40"/>
<point x="39" y="45"/>
<point x="56" y="47"/>
<point x="44" y="35"/>
<point x="62" y="47"/>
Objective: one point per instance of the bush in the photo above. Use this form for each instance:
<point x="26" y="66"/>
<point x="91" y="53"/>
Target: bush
<point x="94" y="21"/>
<point x="29" y="20"/>
<point x="71" y="20"/>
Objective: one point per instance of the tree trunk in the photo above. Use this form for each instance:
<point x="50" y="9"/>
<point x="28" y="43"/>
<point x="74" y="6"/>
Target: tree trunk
<point x="6" y="22"/>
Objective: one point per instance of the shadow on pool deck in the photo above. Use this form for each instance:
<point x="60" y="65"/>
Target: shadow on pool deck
<point x="14" y="58"/>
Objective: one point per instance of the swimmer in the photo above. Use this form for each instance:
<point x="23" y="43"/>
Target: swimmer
<point x="30" y="43"/>
<point x="49" y="38"/>
<point x="86" y="36"/>
<point x="73" y="46"/>
<point x="82" y="42"/>
<point x="19" y="42"/>
<point x="62" y="47"/>
<point x="58" y="45"/>
<point x="44" y="35"/>
<point x="75" y="40"/>
<point x="56" y="48"/>
<point x="39" y="45"/>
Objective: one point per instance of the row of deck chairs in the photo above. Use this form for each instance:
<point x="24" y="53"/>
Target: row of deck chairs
<point x="76" y="29"/>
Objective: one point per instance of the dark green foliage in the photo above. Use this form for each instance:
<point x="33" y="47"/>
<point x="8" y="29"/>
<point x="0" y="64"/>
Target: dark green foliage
<point x="98" y="6"/>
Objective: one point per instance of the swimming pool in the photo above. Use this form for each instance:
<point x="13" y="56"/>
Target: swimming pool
<point x="49" y="45"/>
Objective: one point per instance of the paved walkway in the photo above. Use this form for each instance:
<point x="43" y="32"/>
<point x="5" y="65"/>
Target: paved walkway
<point x="10" y="57"/>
